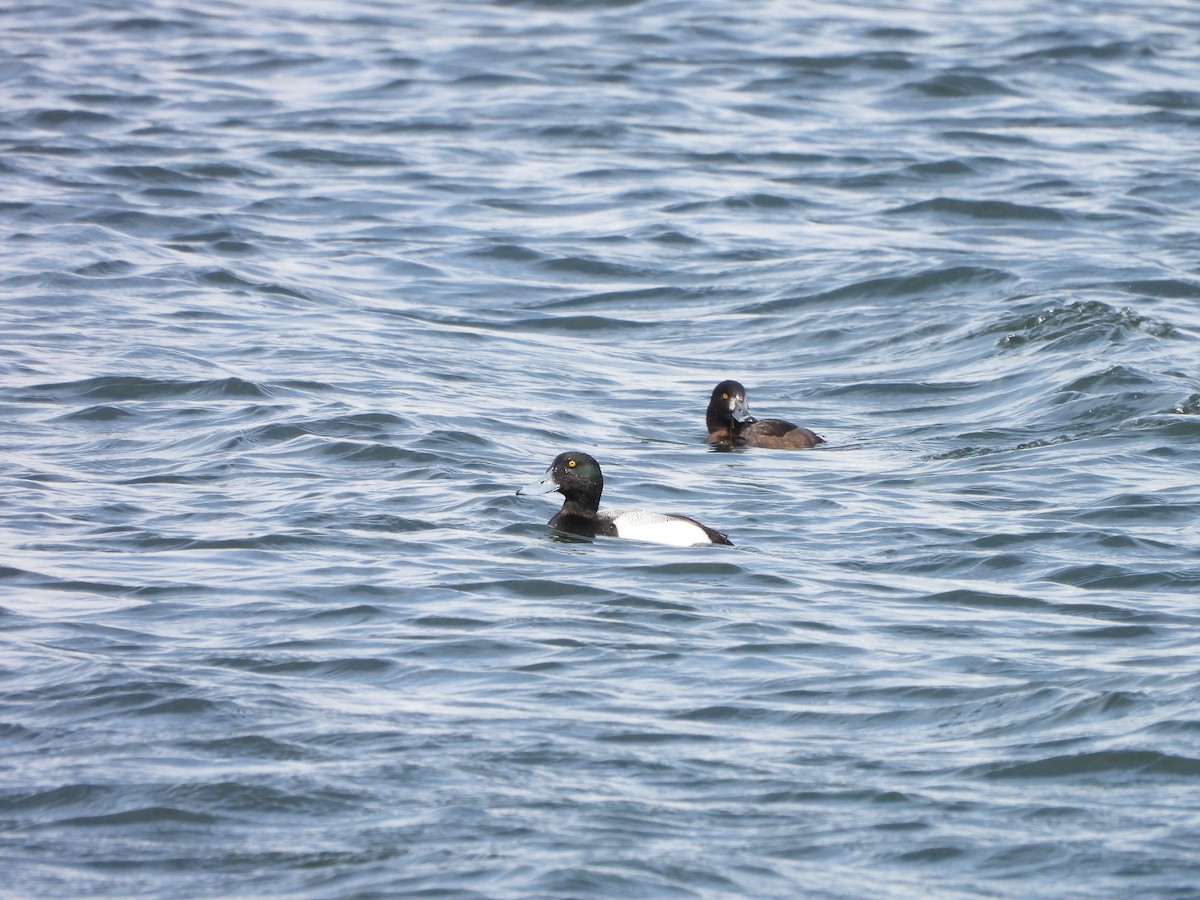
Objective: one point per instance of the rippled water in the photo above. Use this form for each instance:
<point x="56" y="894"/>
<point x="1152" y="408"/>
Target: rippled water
<point x="296" y="296"/>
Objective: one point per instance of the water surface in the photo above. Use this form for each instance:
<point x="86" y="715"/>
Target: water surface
<point x="297" y="295"/>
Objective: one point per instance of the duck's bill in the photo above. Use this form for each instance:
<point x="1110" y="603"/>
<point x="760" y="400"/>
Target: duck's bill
<point x="545" y="486"/>
<point x="741" y="412"/>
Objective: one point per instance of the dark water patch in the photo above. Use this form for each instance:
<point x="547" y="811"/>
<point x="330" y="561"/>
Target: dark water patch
<point x="110" y="389"/>
<point x="987" y="210"/>
<point x="146" y="174"/>
<point x="1119" y="578"/>
<point x="938" y="853"/>
<point x="329" y="668"/>
<point x="278" y="541"/>
<point x="79" y="121"/>
<point x="935" y="282"/>
<point x="136" y="223"/>
<point x="115" y="100"/>
<point x="1112" y="381"/>
<point x="641" y="299"/>
<point x="247" y="747"/>
<point x="729" y="714"/>
<point x="754" y="202"/>
<point x="449" y="622"/>
<point x="351" y="615"/>
<point x="65" y="796"/>
<point x="222" y="171"/>
<point x="69" y="585"/>
<point x="636" y="738"/>
<point x="149" y="816"/>
<point x="580" y="135"/>
<point x="223" y="278"/>
<point x="493" y="80"/>
<point x="386" y="524"/>
<point x="537" y="588"/>
<point x="580" y="325"/>
<point x="16" y="736"/>
<point x="1072" y="50"/>
<point x="960" y="84"/>
<point x="102" y="415"/>
<point x="340" y="159"/>
<point x="214" y="237"/>
<point x="1167" y="288"/>
<point x="1127" y="509"/>
<point x="695" y="570"/>
<point x="1168" y="99"/>
<point x="788" y="649"/>
<point x="352" y="452"/>
<point x="590" y="268"/>
<point x="238" y="797"/>
<point x="151" y="24"/>
<point x="507" y="253"/>
<point x="104" y="269"/>
<point x="1115" y="633"/>
<point x="1086" y="766"/>
<point x="189" y="707"/>
<point x="986" y="600"/>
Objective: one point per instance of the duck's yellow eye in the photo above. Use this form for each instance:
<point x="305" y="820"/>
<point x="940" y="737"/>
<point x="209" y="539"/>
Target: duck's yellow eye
<point x="724" y="396"/>
<point x="570" y="463"/>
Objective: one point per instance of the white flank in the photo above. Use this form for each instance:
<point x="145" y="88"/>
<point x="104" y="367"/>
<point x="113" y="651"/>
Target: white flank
<point x="656" y="528"/>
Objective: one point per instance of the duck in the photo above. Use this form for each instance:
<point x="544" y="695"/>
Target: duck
<point x="577" y="476"/>
<point x="729" y="422"/>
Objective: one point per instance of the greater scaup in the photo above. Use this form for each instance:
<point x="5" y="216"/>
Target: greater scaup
<point x="729" y="422"/>
<point x="577" y="477"/>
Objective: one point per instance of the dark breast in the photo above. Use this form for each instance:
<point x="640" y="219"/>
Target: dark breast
<point x="777" y="434"/>
<point x="585" y="526"/>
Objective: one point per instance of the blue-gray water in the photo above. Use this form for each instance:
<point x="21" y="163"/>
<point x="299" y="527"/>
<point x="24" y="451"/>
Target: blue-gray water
<point x="296" y="294"/>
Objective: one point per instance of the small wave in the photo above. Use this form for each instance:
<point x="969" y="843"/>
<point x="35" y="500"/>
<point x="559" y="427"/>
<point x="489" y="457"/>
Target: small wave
<point x="1085" y="765"/>
<point x="989" y="210"/>
<point x="104" y="268"/>
<point x="223" y="278"/>
<point x="336" y="158"/>
<point x="959" y="84"/>
<point x="102" y="415"/>
<point x="150" y="815"/>
<point x="350" y="667"/>
<point x="251" y="746"/>
<point x="936" y="282"/>
<point x="145" y="174"/>
<point x="592" y="268"/>
<point x="1171" y="288"/>
<point x="1111" y="379"/>
<point x="277" y="541"/>
<point x="1077" y="51"/>
<point x="759" y="201"/>
<point x="594" y="325"/>
<point x="118" y="388"/>
<point x="1075" y="322"/>
<point x="986" y="600"/>
<point x="71" y="120"/>
<point x="150" y="24"/>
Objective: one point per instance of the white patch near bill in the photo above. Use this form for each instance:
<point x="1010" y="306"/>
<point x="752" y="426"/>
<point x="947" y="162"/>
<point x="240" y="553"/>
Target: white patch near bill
<point x="639" y="525"/>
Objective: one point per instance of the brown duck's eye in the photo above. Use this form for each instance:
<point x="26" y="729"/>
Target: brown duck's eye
<point x="724" y="396"/>
<point x="570" y="463"/>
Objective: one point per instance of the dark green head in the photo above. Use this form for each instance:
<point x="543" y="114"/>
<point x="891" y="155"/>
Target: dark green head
<point x="576" y="476"/>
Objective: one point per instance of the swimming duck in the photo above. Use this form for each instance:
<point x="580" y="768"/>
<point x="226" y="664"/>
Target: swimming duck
<point x="729" y="422"/>
<point x="577" y="477"/>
